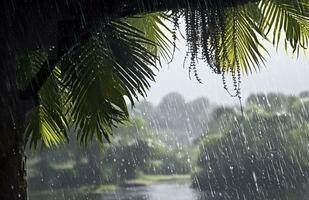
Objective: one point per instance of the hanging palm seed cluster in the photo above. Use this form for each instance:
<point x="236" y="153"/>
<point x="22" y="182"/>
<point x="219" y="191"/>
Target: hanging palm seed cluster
<point x="212" y="36"/>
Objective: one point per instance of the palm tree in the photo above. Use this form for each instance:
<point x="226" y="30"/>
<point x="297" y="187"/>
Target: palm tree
<point x="81" y="81"/>
<point x="84" y="90"/>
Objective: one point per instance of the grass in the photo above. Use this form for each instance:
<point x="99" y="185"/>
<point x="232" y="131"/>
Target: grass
<point x="104" y="189"/>
<point x="152" y="179"/>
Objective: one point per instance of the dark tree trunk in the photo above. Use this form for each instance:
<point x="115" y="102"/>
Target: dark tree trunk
<point x="13" y="112"/>
<point x="12" y="163"/>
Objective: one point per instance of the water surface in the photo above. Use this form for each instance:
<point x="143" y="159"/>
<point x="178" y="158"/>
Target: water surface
<point x="161" y="191"/>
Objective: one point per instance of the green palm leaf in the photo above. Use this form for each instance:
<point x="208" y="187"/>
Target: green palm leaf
<point x="292" y="17"/>
<point x="28" y="66"/>
<point x="111" y="65"/>
<point x="154" y="28"/>
<point x="90" y="84"/>
<point x="240" y="46"/>
<point x="47" y="123"/>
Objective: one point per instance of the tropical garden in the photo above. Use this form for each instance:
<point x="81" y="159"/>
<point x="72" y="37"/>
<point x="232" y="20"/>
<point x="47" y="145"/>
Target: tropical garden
<point x="69" y="69"/>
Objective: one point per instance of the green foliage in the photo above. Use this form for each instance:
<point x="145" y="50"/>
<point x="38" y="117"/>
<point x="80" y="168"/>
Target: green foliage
<point x="128" y="159"/>
<point x="272" y="102"/>
<point x="154" y="27"/>
<point x="260" y="155"/>
<point x="88" y="87"/>
<point x="137" y="149"/>
<point x="28" y="66"/>
<point x="290" y="17"/>
<point x="47" y="122"/>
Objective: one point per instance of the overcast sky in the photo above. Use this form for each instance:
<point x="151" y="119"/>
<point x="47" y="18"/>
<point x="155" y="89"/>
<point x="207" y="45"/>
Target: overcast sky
<point x="282" y="73"/>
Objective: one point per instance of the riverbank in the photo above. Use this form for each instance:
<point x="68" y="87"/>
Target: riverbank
<point x="142" y="180"/>
<point x="145" y="180"/>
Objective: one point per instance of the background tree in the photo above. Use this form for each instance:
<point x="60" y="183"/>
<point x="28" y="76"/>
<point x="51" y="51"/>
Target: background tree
<point x="260" y="155"/>
<point x="173" y="115"/>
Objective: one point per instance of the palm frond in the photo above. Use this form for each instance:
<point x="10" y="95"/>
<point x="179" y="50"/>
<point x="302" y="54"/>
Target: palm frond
<point x="47" y="123"/>
<point x="228" y="39"/>
<point x="292" y="17"/>
<point x="89" y="85"/>
<point x="28" y="66"/>
<point x="113" y="64"/>
<point x="154" y="27"/>
<point x="240" y="45"/>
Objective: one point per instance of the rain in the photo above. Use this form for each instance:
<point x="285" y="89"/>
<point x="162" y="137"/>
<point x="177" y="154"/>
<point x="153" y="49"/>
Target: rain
<point x="154" y="100"/>
<point x="189" y="147"/>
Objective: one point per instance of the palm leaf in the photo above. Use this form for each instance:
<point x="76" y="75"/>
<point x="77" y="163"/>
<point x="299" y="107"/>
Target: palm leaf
<point x="292" y="17"/>
<point x="47" y="122"/>
<point x="154" y="27"/>
<point x="28" y="66"/>
<point x="113" y="64"/>
<point x="240" y="46"/>
<point x="89" y="85"/>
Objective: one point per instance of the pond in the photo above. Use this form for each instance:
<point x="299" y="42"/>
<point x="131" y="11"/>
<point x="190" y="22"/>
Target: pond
<point x="160" y="191"/>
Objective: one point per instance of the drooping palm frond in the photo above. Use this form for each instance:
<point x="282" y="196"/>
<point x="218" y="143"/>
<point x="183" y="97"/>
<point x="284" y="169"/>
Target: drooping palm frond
<point x="154" y="27"/>
<point x="113" y="64"/>
<point x="28" y="66"/>
<point x="226" y="37"/>
<point x="292" y="17"/>
<point x="241" y="46"/>
<point x="46" y="123"/>
<point x="88" y="87"/>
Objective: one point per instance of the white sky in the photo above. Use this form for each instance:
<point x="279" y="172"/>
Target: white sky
<point x="282" y="73"/>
